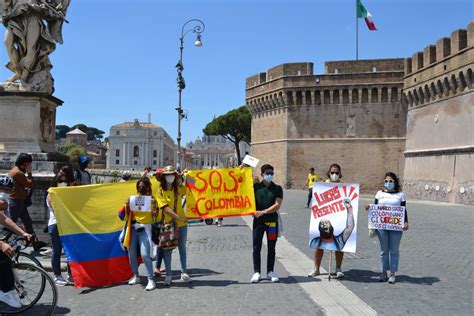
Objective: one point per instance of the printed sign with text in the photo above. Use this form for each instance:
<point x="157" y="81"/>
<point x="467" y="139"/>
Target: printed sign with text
<point x="386" y="217"/>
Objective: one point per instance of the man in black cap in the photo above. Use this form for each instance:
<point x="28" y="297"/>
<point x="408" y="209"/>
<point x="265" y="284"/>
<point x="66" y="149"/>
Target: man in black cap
<point x="268" y="198"/>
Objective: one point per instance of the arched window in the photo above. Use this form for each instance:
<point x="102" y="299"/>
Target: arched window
<point x="427" y="93"/>
<point x="289" y="96"/>
<point x="433" y="90"/>
<point x="317" y="97"/>
<point x="421" y="95"/>
<point x="345" y="96"/>
<point x="136" y="151"/>
<point x="447" y="86"/>
<point x="454" y="82"/>
<point x="394" y="97"/>
<point x="327" y="97"/>
<point x="299" y="98"/>
<point x="469" y="77"/>
<point x="365" y="95"/>
<point x="355" y="96"/>
<point x="307" y="96"/>
<point x="335" y="97"/>
<point x="462" y="80"/>
<point x="384" y="95"/>
<point x="375" y="95"/>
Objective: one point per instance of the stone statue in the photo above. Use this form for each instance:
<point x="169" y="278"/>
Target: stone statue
<point x="33" y="27"/>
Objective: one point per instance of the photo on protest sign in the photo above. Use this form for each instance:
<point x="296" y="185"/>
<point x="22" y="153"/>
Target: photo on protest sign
<point x="386" y="217"/>
<point x="140" y="203"/>
<point x="219" y="193"/>
<point x="334" y="210"/>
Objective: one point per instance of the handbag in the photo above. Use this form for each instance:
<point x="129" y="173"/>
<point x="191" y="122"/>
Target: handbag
<point x="169" y="233"/>
<point x="155" y="231"/>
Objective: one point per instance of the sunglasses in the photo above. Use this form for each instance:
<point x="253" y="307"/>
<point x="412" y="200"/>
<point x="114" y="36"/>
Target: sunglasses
<point x="62" y="181"/>
<point x="388" y="181"/>
<point x="270" y="173"/>
<point x="334" y="172"/>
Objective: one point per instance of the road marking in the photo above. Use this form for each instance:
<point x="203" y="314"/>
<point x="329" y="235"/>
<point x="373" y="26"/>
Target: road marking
<point x="332" y="296"/>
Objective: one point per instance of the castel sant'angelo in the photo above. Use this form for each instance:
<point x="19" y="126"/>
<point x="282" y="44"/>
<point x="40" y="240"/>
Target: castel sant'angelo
<point x="413" y="116"/>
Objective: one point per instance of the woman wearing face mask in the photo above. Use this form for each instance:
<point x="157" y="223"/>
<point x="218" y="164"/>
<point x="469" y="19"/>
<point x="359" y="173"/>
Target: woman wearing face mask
<point x="64" y="178"/>
<point x="169" y="200"/>
<point x="334" y="174"/>
<point x="390" y="239"/>
<point x="140" y="230"/>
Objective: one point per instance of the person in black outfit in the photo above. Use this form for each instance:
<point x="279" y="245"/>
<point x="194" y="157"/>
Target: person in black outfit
<point x="268" y="199"/>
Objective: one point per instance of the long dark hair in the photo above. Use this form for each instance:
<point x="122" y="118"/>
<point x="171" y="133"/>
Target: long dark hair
<point x="66" y="172"/>
<point x="147" y="183"/>
<point x="395" y="180"/>
<point x="334" y="165"/>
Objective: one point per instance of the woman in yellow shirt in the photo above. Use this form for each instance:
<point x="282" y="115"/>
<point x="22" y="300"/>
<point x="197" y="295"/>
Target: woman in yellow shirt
<point x="169" y="199"/>
<point x="140" y="233"/>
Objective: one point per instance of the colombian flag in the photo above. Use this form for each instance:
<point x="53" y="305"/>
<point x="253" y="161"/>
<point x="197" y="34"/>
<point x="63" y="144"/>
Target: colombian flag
<point x="90" y="228"/>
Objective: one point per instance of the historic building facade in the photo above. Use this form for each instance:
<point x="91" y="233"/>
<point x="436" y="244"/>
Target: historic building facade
<point x="411" y="116"/>
<point x="353" y="114"/>
<point x="213" y="152"/>
<point x="135" y="145"/>
<point x="439" y="154"/>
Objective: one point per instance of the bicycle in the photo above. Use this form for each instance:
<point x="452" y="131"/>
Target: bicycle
<point x="22" y="256"/>
<point x="30" y="281"/>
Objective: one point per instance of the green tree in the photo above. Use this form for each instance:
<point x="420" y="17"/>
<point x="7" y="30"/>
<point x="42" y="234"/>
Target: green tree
<point x="235" y="126"/>
<point x="73" y="151"/>
<point x="61" y="131"/>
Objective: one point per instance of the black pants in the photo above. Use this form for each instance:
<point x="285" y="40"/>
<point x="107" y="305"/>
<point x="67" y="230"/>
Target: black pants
<point x="310" y="197"/>
<point x="17" y="210"/>
<point x="259" y="229"/>
<point x="7" y="282"/>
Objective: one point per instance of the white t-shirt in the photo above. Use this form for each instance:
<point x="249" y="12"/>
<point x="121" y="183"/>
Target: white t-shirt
<point x="391" y="199"/>
<point x="52" y="218"/>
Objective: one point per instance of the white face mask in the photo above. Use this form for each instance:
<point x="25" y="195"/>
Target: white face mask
<point x="169" y="179"/>
<point x="62" y="184"/>
<point x="334" y="177"/>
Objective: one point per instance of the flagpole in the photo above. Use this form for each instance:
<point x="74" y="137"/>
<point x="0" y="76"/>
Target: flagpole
<point x="357" y="29"/>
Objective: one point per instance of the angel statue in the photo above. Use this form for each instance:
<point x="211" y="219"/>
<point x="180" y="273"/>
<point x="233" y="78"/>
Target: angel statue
<point x="33" y="27"/>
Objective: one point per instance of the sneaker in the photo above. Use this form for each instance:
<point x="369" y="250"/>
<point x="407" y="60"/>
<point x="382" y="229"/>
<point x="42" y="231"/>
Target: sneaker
<point x="70" y="280"/>
<point x="10" y="299"/>
<point x="168" y="280"/>
<point x="59" y="280"/>
<point x="134" y="280"/>
<point x="185" y="277"/>
<point x="150" y="286"/>
<point x="339" y="274"/>
<point x="255" y="278"/>
<point x="219" y="223"/>
<point x="314" y="272"/>
<point x="38" y="245"/>
<point x="383" y="277"/>
<point x="47" y="253"/>
<point x="391" y="279"/>
<point x="273" y="276"/>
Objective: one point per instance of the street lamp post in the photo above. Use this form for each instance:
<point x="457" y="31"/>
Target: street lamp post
<point x="198" y="28"/>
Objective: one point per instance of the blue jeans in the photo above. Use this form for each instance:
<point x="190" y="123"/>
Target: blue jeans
<point x="166" y="254"/>
<point x="140" y="239"/>
<point x="57" y="249"/>
<point x="389" y="249"/>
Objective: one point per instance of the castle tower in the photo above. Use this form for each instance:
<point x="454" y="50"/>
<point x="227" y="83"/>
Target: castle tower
<point x="353" y="114"/>
<point x="439" y="152"/>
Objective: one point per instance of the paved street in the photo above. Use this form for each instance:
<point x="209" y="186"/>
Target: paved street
<point x="435" y="277"/>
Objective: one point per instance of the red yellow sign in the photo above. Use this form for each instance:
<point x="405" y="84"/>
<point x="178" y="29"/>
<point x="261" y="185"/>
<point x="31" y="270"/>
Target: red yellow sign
<point x="219" y="193"/>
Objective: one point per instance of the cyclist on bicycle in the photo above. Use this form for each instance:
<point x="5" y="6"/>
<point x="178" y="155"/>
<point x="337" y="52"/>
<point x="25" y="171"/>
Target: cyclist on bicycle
<point x="7" y="285"/>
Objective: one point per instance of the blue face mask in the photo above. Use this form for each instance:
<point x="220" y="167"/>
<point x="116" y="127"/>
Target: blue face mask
<point x="268" y="178"/>
<point x="390" y="185"/>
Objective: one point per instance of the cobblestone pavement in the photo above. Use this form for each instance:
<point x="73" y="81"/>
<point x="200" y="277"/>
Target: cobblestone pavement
<point x="220" y="263"/>
<point x="436" y="258"/>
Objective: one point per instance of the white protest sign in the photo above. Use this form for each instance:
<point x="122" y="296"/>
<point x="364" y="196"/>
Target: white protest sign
<point x="251" y="161"/>
<point x="386" y="217"/>
<point x="140" y="203"/>
<point x="334" y="210"/>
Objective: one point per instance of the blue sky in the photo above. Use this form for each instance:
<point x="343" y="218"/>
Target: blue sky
<point x="117" y="61"/>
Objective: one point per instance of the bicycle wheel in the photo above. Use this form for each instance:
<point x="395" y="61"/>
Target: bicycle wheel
<point x="28" y="258"/>
<point x="31" y="284"/>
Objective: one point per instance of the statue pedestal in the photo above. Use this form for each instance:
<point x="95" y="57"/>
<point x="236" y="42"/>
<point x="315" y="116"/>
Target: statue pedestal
<point x="28" y="125"/>
<point x="28" y="122"/>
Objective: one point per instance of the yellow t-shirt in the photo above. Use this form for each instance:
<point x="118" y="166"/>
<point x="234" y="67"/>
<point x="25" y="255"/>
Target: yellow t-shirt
<point x="166" y="198"/>
<point x="311" y="179"/>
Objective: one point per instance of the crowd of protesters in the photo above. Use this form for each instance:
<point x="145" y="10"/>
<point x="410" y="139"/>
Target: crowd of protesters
<point x="168" y="205"/>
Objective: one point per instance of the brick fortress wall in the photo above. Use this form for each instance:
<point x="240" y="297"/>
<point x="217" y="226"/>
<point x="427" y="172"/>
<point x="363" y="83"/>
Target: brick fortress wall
<point x="352" y="114"/>
<point x="439" y="154"/>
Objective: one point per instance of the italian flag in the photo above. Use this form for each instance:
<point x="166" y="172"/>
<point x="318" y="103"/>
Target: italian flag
<point x="363" y="13"/>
